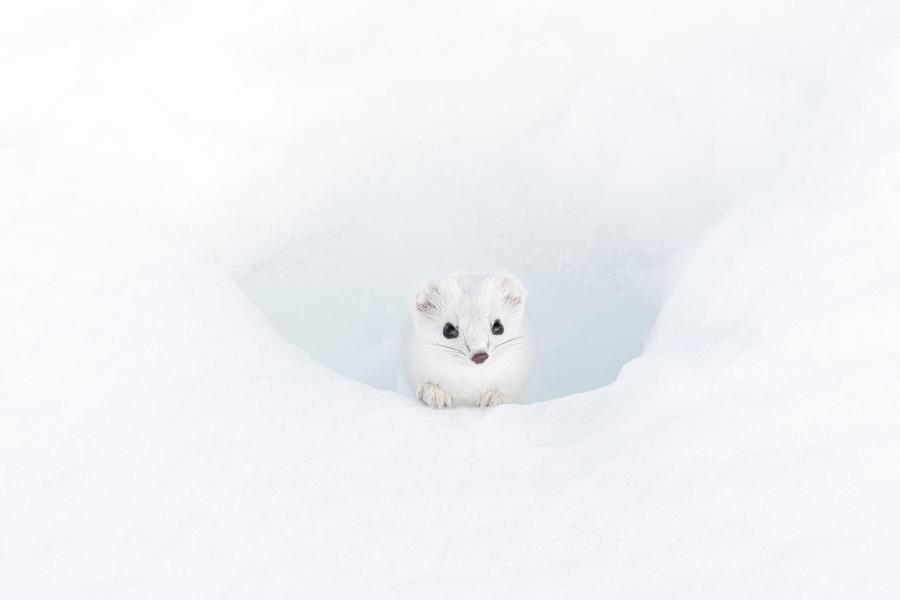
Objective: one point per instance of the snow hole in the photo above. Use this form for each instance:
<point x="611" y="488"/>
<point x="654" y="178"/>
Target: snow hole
<point x="595" y="285"/>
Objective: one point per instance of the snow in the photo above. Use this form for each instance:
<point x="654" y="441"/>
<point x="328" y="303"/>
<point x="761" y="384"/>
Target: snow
<point x="210" y="217"/>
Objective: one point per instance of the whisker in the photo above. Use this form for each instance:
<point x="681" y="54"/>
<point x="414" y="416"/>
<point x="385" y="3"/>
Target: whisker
<point x="450" y="352"/>
<point x="443" y="346"/>
<point x="518" y="338"/>
<point x="454" y="352"/>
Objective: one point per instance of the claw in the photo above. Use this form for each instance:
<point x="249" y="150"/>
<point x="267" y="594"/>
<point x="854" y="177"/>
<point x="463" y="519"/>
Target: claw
<point x="433" y="396"/>
<point x="491" y="398"/>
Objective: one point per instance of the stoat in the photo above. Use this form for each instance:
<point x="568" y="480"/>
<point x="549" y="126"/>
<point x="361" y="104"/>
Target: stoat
<point x="467" y="344"/>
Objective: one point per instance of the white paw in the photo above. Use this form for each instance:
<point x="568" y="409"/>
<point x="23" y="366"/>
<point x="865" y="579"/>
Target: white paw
<point x="491" y="398"/>
<point x="433" y="396"/>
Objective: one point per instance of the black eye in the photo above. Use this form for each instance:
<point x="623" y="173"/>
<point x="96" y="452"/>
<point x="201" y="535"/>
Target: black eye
<point x="450" y="331"/>
<point x="497" y="328"/>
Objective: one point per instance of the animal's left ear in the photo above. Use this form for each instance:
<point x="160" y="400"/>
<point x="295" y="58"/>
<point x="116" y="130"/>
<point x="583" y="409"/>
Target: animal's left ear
<point x="512" y="290"/>
<point x="429" y="299"/>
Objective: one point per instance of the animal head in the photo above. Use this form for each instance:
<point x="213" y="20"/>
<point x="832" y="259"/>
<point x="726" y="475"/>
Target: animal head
<point x="473" y="318"/>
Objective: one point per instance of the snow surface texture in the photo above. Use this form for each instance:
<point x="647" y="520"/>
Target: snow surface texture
<point x="711" y="186"/>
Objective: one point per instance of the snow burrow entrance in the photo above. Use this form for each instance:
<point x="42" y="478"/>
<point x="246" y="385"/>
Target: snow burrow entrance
<point x="596" y="282"/>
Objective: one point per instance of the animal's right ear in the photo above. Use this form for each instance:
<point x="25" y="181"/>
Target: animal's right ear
<point x="429" y="299"/>
<point x="511" y="289"/>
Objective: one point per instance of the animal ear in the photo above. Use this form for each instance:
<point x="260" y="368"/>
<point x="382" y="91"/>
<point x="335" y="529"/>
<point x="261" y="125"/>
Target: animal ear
<point x="512" y="290"/>
<point x="429" y="298"/>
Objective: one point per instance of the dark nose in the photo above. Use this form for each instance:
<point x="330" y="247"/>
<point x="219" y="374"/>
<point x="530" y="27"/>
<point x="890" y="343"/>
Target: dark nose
<point x="479" y="357"/>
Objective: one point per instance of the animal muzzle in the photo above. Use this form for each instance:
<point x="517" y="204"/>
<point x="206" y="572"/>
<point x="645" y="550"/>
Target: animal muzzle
<point x="479" y="357"/>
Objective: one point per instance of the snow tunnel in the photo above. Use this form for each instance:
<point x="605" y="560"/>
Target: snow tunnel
<point x="596" y="275"/>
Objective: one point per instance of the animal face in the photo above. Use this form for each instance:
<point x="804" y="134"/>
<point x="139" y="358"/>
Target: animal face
<point x="476" y="319"/>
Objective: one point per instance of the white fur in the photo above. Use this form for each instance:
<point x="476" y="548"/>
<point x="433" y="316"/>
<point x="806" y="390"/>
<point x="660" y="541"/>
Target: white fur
<point x="441" y="369"/>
